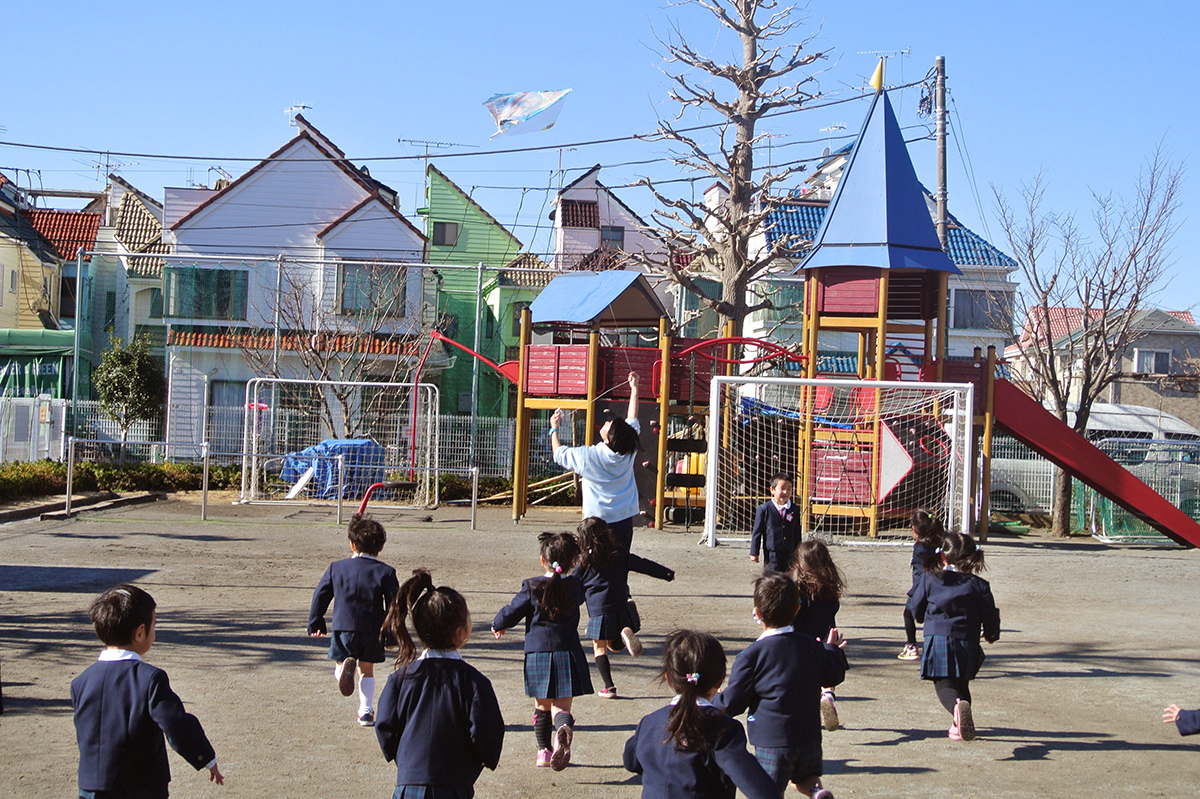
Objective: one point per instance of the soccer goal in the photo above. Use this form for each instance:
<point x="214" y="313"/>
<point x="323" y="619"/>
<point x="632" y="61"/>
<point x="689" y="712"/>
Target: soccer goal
<point x="861" y="454"/>
<point x="324" y="441"/>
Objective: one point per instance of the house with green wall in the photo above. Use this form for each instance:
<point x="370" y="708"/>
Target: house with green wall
<point x="462" y="237"/>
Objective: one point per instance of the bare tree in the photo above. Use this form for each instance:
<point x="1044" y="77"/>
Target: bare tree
<point x="1083" y="294"/>
<point x="760" y="82"/>
<point x="360" y="331"/>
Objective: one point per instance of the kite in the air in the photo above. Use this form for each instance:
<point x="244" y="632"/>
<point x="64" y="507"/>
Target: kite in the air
<point x="525" y="112"/>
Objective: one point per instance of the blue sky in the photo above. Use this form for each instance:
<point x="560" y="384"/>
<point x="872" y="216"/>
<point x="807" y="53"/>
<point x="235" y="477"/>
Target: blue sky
<point x="1084" y="91"/>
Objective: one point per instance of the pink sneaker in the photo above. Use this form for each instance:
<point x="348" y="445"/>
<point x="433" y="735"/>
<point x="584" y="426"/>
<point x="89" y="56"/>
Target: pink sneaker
<point x="608" y="693"/>
<point x="561" y="756"/>
<point x="963" y="720"/>
<point x="829" y="715"/>
<point x="955" y="735"/>
<point x="543" y="758"/>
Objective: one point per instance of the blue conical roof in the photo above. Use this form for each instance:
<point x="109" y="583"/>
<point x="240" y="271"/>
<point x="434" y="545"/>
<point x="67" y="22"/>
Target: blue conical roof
<point x="878" y="217"/>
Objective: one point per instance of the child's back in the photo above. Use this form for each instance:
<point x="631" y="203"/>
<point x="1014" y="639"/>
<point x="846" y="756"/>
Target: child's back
<point x="360" y="589"/>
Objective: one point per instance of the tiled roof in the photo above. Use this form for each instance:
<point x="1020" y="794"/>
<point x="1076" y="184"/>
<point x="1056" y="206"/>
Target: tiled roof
<point x="803" y="218"/>
<point x="1184" y="316"/>
<point x="1064" y="320"/>
<point x="263" y="340"/>
<point x="143" y="265"/>
<point x="526" y="271"/>
<point x="16" y="226"/>
<point x="136" y="225"/>
<point x="67" y="231"/>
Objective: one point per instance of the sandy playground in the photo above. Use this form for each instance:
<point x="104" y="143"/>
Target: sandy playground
<point x="1096" y="640"/>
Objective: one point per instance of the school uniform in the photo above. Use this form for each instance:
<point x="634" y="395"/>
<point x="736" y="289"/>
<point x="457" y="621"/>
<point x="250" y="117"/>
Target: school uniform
<point x="816" y="617"/>
<point x="439" y="720"/>
<point x="361" y="588"/>
<point x="778" y="679"/>
<point x="777" y="532"/>
<point x="1188" y="722"/>
<point x="716" y="772"/>
<point x="123" y="709"/>
<point x="607" y="595"/>
<point x="954" y="607"/>
<point x="555" y="666"/>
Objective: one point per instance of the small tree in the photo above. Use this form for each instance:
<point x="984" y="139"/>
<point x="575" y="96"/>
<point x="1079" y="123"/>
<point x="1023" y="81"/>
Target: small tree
<point x="1083" y="296"/>
<point x="130" y="383"/>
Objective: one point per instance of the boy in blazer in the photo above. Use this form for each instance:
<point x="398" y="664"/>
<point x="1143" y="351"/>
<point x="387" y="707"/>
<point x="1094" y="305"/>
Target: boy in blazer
<point x="123" y="707"/>
<point x="361" y="587"/>
<point x="778" y="678"/>
<point x="776" y="526"/>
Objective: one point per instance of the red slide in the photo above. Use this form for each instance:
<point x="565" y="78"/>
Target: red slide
<point x="1043" y="432"/>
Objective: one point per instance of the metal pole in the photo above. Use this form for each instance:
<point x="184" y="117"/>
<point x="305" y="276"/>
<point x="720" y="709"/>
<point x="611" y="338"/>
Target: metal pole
<point x="75" y="357"/>
<point x="341" y="462"/>
<point x="278" y="296"/>
<point x="940" y="100"/>
<point x="204" y="484"/>
<point x="474" y="494"/>
<point x="70" y="472"/>
<point x="475" y="364"/>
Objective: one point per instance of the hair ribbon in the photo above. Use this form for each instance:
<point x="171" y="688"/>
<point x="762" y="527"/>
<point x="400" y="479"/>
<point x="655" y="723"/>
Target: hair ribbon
<point x="556" y="567"/>
<point x="937" y="551"/>
<point x="694" y="677"/>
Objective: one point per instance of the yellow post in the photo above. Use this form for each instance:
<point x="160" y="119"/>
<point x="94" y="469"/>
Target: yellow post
<point x="876" y="422"/>
<point x="989" y="418"/>
<point x="811" y="328"/>
<point x="593" y="369"/>
<point x="664" y="405"/>
<point x="521" y="454"/>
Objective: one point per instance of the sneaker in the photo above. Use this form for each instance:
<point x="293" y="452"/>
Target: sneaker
<point x="344" y="672"/>
<point x="608" y="693"/>
<point x="822" y="793"/>
<point x="909" y="652"/>
<point x="829" y="714"/>
<point x="631" y="642"/>
<point x="955" y="735"/>
<point x="963" y="720"/>
<point x="366" y="719"/>
<point x="561" y="755"/>
<point x="543" y="758"/>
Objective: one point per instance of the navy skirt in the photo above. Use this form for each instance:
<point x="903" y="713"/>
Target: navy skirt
<point x="608" y="626"/>
<point x="950" y="657"/>
<point x="557" y="674"/>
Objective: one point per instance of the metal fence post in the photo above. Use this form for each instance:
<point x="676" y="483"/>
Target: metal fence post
<point x="70" y="472"/>
<point x="204" y="484"/>
<point x="341" y="462"/>
<point x="474" y="494"/>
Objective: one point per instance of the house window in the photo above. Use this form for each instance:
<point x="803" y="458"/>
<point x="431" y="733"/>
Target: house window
<point x="227" y="393"/>
<point x="66" y="297"/>
<point x="156" y="304"/>
<point x="490" y="324"/>
<point x="517" y="307"/>
<point x="193" y="293"/>
<point x="12" y="282"/>
<point x="612" y="237"/>
<point x="445" y="234"/>
<point x="982" y="310"/>
<point x="580" y="213"/>
<point x="1156" y="362"/>
<point x="373" y="289"/>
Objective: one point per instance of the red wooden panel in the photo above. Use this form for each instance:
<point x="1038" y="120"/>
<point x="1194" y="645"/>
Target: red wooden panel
<point x="840" y="474"/>
<point x="960" y="372"/>
<point x="557" y="370"/>
<point x="908" y="295"/>
<point x="849" y="290"/>
<point x="620" y="361"/>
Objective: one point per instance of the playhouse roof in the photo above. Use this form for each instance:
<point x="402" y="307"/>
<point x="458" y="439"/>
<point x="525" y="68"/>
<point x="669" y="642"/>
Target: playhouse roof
<point x="610" y="299"/>
<point x="878" y="217"/>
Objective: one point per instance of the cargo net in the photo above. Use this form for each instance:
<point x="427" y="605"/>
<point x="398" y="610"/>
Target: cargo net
<point x="317" y="442"/>
<point x="875" y="452"/>
<point x="1170" y="467"/>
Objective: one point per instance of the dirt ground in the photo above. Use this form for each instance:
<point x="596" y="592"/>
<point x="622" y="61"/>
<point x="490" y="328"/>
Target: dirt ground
<point x="1096" y="641"/>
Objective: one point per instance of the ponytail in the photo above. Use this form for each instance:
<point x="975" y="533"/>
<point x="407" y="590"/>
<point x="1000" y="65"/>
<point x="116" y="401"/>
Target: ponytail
<point x="927" y="528"/>
<point x="597" y="547"/>
<point x="693" y="665"/>
<point x="438" y="616"/>
<point x="961" y="552"/>
<point x="560" y="551"/>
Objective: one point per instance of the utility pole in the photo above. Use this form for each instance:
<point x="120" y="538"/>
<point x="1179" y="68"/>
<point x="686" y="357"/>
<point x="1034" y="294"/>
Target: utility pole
<point x="940" y="104"/>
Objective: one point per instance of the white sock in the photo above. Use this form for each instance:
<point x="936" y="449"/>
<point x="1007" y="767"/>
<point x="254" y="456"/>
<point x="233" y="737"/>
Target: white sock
<point x="366" y="694"/>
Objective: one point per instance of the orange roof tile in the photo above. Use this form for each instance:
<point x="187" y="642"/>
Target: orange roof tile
<point x="66" y="230"/>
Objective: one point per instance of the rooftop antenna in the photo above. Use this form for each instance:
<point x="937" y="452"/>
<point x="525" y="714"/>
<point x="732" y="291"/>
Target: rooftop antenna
<point x="296" y="109"/>
<point x="437" y="145"/>
<point x="885" y="55"/>
<point x="105" y="165"/>
<point x="835" y="126"/>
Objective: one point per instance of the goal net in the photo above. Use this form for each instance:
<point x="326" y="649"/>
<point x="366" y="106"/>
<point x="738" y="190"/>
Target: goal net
<point x="322" y="440"/>
<point x="862" y="455"/>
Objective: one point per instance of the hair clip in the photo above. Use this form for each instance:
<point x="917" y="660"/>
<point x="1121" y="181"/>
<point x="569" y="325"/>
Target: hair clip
<point x="556" y="567"/>
<point x="694" y="677"/>
<point x="978" y="548"/>
<point x="937" y="551"/>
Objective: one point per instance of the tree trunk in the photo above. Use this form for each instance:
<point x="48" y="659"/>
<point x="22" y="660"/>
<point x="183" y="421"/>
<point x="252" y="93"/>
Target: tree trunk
<point x="1061" y="525"/>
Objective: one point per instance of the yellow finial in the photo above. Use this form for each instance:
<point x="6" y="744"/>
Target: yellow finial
<point x="877" y="77"/>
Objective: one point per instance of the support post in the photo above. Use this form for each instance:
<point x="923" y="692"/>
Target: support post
<point x="664" y="405"/>
<point x="989" y="420"/>
<point x="521" y="454"/>
<point x="589" y="435"/>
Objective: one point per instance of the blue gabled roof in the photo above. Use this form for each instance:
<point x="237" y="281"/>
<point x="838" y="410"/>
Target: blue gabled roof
<point x="610" y="299"/>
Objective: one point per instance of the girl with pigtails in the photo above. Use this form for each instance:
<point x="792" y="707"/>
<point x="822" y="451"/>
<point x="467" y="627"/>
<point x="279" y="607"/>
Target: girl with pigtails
<point x="691" y="748"/>
<point x="556" y="670"/>
<point x="438" y="716"/>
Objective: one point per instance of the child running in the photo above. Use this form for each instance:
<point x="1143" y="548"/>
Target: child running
<point x="776" y="528"/>
<point x="821" y="586"/>
<point x="556" y="669"/>
<point x="123" y="707"/>
<point x="954" y="604"/>
<point x="927" y="536"/>
<point x="691" y="749"/>
<point x="360" y="587"/>
<point x="1186" y="721"/>
<point x="779" y="679"/>
<point x="438" y="717"/>
<point x="604" y="570"/>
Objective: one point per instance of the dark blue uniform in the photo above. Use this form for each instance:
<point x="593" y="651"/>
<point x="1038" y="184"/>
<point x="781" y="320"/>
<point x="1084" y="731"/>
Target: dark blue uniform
<point x="776" y="533"/>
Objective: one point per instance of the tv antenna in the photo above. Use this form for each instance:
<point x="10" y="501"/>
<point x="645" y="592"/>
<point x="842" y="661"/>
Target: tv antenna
<point x="835" y="126"/>
<point x="105" y="165"/>
<point x="436" y="145"/>
<point x="296" y="109"/>
<point x="885" y="55"/>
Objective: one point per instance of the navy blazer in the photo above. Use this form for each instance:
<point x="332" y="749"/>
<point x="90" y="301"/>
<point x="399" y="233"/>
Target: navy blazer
<point x="607" y="589"/>
<point x="714" y="773"/>
<point x="778" y="532"/>
<point x="956" y="605"/>
<point x="361" y="589"/>
<point x="438" y="718"/>
<point x="779" y="679"/>
<point x="123" y="708"/>
<point x="543" y="634"/>
<point x="1188" y="722"/>
<point x="816" y="617"/>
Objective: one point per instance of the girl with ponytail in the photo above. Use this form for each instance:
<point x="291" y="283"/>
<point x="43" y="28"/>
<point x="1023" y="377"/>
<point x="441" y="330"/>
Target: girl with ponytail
<point x="556" y="670"/>
<point x="438" y="716"/>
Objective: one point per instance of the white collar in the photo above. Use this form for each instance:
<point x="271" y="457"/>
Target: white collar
<point x="782" y="507"/>
<point x="776" y="631"/>
<point x="364" y="555"/>
<point x="444" y="654"/>
<point x="701" y="701"/>
<point x="950" y="567"/>
<point x="118" y="654"/>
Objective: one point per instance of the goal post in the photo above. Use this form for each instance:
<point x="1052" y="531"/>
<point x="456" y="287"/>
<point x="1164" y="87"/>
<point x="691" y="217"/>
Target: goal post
<point x="861" y="454"/>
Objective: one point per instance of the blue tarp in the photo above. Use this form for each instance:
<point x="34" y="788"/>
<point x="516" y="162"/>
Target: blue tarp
<point x="364" y="466"/>
<point x="611" y="299"/>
